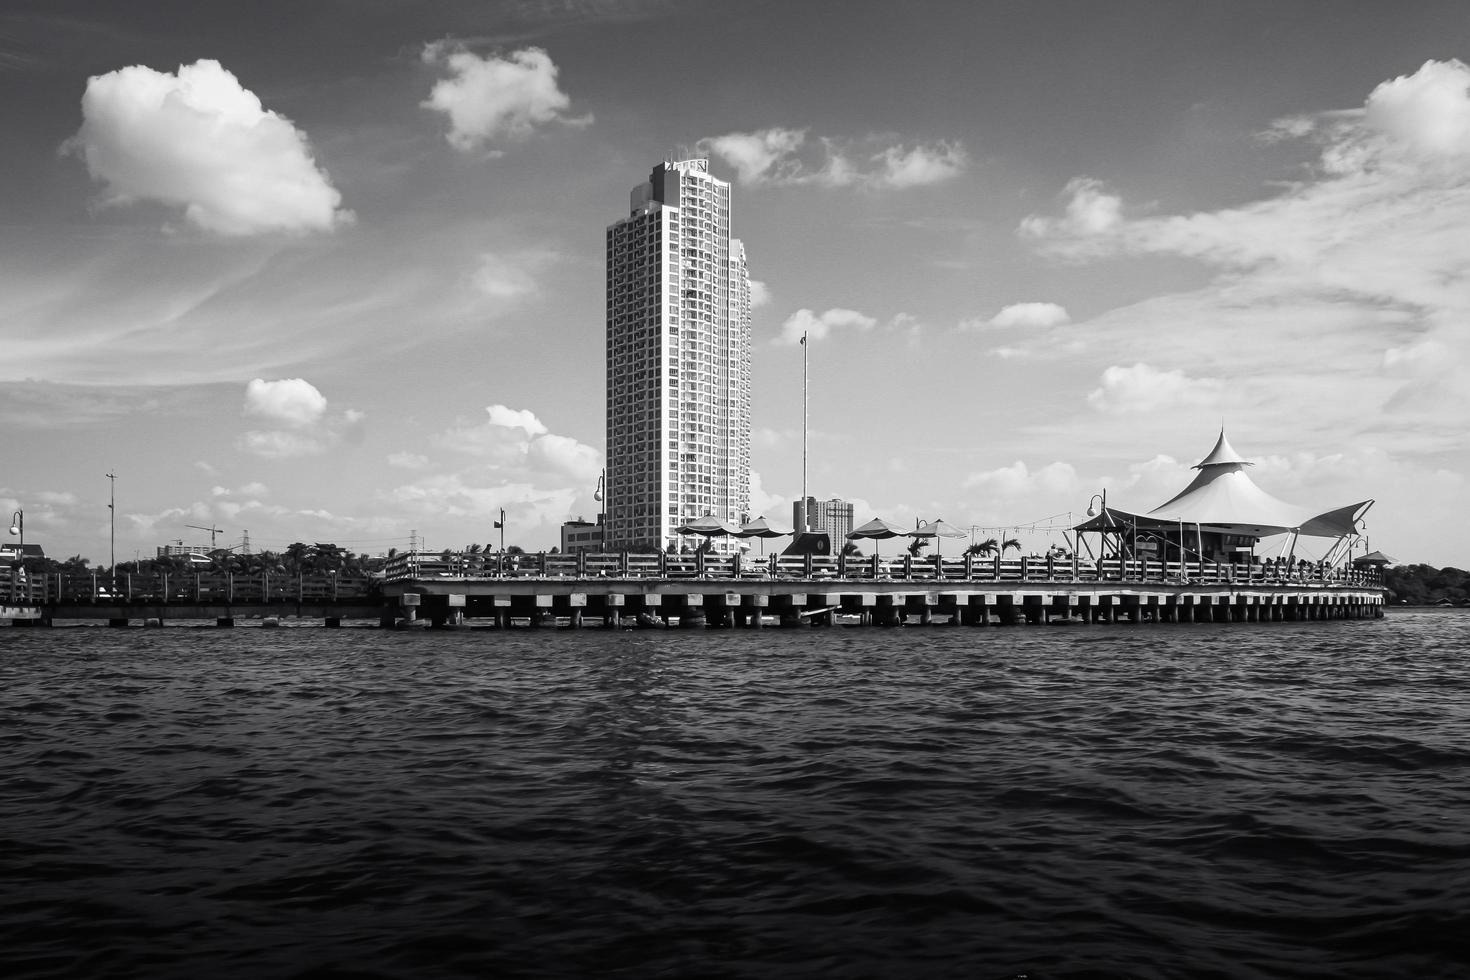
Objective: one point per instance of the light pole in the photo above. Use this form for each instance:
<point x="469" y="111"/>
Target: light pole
<point x="18" y="526"/>
<point x="112" y="519"/>
<point x="1092" y="511"/>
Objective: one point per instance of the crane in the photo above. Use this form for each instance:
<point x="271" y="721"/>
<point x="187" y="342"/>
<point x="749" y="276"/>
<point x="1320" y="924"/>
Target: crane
<point x="212" y="532"/>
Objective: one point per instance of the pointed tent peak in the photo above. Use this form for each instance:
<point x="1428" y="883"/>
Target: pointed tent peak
<point x="1223" y="454"/>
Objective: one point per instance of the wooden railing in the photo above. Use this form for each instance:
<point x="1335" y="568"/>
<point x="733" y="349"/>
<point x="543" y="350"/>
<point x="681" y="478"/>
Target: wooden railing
<point x="468" y="566"/>
<point x="141" y="588"/>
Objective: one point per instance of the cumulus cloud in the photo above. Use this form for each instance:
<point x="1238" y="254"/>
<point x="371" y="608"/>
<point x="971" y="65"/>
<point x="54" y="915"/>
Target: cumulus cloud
<point x="901" y="167"/>
<point x="1030" y="315"/>
<point x="199" y="140"/>
<point x="760" y="294"/>
<point x="1018" y="480"/>
<point x="1426" y="114"/>
<point x="515" y="462"/>
<point x="767" y="155"/>
<point x="786" y="157"/>
<point x="290" y="401"/>
<point x="495" y="98"/>
<point x="1141" y="388"/>
<point x="1365" y="254"/>
<point x="813" y="326"/>
<point x="300" y="424"/>
<point x="1090" y="209"/>
<point x="516" y="439"/>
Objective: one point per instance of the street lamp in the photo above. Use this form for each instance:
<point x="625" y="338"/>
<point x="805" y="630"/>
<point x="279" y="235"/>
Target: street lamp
<point x="1092" y="510"/>
<point x="18" y="527"/>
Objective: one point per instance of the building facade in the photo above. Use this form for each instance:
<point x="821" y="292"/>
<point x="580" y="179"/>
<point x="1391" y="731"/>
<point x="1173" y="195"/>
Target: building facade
<point x="678" y="360"/>
<point x="833" y="516"/>
<point x="580" y="535"/>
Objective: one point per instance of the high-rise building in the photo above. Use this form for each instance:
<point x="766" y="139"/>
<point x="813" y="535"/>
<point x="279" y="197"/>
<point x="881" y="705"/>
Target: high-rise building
<point x="833" y="516"/>
<point x="678" y="359"/>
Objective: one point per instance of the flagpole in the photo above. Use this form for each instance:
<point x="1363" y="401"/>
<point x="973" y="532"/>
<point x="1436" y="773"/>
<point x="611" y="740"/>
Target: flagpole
<point x="806" y="521"/>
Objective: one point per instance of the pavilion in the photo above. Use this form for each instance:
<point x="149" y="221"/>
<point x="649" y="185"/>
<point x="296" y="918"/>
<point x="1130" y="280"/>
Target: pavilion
<point x="1221" y="517"/>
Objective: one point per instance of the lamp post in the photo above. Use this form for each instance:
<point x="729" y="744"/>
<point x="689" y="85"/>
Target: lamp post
<point x="112" y="520"/>
<point x="1092" y="511"/>
<point x="18" y="527"/>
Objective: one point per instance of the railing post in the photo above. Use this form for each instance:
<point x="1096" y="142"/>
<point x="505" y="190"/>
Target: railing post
<point x="908" y="567"/>
<point x="663" y="564"/>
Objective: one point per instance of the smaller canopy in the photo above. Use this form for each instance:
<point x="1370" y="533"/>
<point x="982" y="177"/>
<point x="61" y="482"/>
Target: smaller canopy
<point x="1375" y="558"/>
<point x="708" y="525"/>
<point x="878" y="528"/>
<point x="762" y="528"/>
<point x="937" y="529"/>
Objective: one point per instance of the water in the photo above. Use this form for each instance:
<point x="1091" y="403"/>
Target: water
<point x="1284" y="800"/>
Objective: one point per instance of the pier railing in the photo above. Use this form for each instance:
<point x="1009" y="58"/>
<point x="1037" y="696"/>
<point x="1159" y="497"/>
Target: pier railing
<point x="19" y="588"/>
<point x="477" y="566"/>
<point x="35" y="589"/>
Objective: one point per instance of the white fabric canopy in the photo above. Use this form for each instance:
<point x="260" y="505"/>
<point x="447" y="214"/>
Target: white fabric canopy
<point x="1222" y="496"/>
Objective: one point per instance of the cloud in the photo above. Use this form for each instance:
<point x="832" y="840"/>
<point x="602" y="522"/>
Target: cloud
<point x="816" y="327"/>
<point x="516" y="462"/>
<point x="1038" y="315"/>
<point x="1017" y="480"/>
<point x="408" y="461"/>
<point x="512" y="439"/>
<point x="759" y="157"/>
<point x="494" y="98"/>
<point x="1342" y="295"/>
<point x="760" y="294"/>
<point x="1142" y="388"/>
<point x="297" y="414"/>
<point x="199" y="140"/>
<point x="786" y="157"/>
<point x="1091" y="209"/>
<point x="290" y="401"/>
<point x="899" y="167"/>
<point x="511" y="276"/>
<point x="1425" y="115"/>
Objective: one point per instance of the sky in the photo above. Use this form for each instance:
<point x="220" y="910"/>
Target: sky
<point x="334" y="271"/>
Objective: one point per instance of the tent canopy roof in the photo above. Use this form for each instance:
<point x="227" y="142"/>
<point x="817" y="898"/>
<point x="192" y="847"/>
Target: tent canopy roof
<point x="1224" y="498"/>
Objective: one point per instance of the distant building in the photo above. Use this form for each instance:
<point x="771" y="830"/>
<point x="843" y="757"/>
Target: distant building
<point x="179" y="548"/>
<point x="10" y="552"/>
<point x="678" y="360"/>
<point x="580" y="535"/>
<point x="833" y="516"/>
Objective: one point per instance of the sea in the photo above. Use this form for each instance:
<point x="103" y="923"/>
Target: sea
<point x="1154" y="801"/>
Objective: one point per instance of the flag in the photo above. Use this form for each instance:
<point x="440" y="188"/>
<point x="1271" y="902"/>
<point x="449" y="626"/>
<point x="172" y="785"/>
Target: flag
<point x="501" y="523"/>
<point x="803" y="340"/>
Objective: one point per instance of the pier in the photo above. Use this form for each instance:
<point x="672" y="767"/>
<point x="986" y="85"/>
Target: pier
<point x="450" y="589"/>
<point x="715" y="591"/>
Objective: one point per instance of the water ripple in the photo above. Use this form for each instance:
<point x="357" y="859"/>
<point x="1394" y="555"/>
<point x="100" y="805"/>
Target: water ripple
<point x="1159" y="801"/>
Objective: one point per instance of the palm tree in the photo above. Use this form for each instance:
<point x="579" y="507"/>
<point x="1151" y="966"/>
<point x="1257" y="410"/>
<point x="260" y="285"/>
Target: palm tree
<point x="990" y="546"/>
<point x="917" y="545"/>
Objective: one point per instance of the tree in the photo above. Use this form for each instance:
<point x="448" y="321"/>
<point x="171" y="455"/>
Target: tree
<point x="990" y="546"/>
<point x="852" y="550"/>
<point x="917" y="545"/>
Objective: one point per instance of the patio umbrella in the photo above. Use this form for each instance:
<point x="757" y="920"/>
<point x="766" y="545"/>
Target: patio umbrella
<point x="936" y="529"/>
<point x="708" y="526"/>
<point x="762" y="528"/>
<point x="878" y="529"/>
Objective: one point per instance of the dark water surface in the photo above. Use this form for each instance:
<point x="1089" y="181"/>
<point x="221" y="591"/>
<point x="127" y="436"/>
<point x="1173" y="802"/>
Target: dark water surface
<point x="1283" y="800"/>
